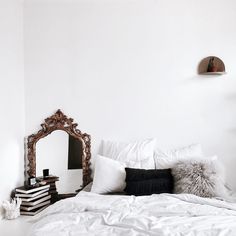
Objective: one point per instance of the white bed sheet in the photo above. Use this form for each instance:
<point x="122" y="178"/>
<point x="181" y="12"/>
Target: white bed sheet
<point x="163" y="214"/>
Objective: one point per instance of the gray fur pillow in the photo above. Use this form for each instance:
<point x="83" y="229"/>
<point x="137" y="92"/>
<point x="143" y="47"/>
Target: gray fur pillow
<point x="203" y="178"/>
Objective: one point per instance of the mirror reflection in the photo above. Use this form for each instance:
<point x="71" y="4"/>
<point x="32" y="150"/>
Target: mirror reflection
<point x="62" y="155"/>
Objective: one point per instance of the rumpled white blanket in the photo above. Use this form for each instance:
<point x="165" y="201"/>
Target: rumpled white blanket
<point x="163" y="214"/>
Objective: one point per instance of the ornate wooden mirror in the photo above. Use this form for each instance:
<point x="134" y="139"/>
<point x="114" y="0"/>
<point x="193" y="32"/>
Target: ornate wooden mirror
<point x="60" y="122"/>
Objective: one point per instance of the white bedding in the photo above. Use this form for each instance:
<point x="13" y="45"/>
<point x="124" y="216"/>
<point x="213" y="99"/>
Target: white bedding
<point x="163" y="214"/>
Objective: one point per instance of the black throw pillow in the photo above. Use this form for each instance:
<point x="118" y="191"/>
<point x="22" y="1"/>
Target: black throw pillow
<point x="146" y="182"/>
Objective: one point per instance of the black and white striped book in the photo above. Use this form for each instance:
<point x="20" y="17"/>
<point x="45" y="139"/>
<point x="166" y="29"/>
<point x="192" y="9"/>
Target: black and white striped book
<point x="36" y="202"/>
<point x="29" y="199"/>
<point x="31" y="190"/>
<point x="30" y="208"/>
<point x="26" y="195"/>
<point x="33" y="212"/>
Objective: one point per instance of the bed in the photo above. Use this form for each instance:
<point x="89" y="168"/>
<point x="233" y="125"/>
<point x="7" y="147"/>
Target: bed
<point x="196" y="206"/>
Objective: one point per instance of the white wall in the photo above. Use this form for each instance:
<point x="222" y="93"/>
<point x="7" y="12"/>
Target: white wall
<point x="11" y="97"/>
<point x="127" y="69"/>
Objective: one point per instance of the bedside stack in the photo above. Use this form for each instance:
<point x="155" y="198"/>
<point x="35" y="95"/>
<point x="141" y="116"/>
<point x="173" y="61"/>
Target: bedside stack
<point x="33" y="200"/>
<point x="51" y="180"/>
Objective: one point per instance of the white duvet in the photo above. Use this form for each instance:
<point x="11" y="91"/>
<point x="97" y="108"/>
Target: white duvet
<point x="163" y="214"/>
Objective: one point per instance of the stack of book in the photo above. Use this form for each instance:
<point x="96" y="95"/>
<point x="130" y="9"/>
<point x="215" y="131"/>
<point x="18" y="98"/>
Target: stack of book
<point x="51" y="180"/>
<point x="34" y="199"/>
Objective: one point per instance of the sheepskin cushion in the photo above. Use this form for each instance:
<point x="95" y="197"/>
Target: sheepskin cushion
<point x="203" y="178"/>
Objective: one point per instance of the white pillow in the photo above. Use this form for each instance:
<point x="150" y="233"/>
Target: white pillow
<point x="109" y="176"/>
<point x="167" y="159"/>
<point x="137" y="154"/>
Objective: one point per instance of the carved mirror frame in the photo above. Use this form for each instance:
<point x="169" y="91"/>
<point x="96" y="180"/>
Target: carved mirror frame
<point x="60" y="121"/>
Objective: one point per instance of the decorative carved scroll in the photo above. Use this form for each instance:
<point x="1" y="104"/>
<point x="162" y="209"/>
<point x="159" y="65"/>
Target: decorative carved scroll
<point x="59" y="121"/>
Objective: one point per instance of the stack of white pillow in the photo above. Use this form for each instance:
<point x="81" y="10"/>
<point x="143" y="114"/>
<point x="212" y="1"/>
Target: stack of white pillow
<point x="109" y="174"/>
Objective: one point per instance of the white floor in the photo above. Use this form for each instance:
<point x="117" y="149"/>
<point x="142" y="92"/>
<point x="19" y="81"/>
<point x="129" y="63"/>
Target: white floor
<point x="16" y="227"/>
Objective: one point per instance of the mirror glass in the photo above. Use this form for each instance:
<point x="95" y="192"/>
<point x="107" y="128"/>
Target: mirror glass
<point x="62" y="155"/>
